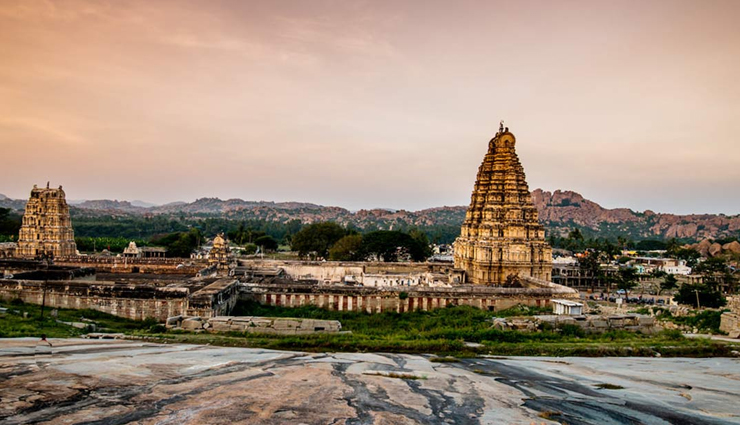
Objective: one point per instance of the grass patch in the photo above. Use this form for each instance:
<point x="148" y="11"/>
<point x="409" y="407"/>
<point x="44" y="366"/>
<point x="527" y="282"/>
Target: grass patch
<point x="442" y="332"/>
<point x="445" y="331"/>
<point x="13" y="324"/>
<point x="704" y="321"/>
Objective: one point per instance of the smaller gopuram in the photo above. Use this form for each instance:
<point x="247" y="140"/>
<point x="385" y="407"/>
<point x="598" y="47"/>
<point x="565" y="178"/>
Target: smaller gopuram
<point x="220" y="255"/>
<point x="46" y="228"/>
<point x="501" y="238"/>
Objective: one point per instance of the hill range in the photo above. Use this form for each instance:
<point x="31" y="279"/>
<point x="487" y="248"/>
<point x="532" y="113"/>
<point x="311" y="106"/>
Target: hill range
<point x="560" y="212"/>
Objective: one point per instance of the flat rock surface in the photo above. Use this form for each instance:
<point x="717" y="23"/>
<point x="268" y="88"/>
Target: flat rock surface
<point x="119" y="382"/>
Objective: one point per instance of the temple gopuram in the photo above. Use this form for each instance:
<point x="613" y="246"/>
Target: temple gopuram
<point x="220" y="255"/>
<point x="501" y="238"/>
<point x="46" y="228"/>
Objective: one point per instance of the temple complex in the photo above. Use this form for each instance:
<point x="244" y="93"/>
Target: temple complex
<point x="501" y="238"/>
<point x="46" y="228"/>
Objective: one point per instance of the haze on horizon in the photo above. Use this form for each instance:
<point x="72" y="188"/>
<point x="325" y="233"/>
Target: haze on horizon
<point x="365" y="104"/>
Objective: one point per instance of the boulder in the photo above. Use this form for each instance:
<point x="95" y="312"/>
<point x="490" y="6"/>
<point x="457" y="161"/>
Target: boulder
<point x="715" y="249"/>
<point x="703" y="247"/>
<point x="733" y="247"/>
<point x="173" y="322"/>
<point x="647" y="321"/>
<point x="192" y="324"/>
<point x="600" y="324"/>
<point x="220" y="326"/>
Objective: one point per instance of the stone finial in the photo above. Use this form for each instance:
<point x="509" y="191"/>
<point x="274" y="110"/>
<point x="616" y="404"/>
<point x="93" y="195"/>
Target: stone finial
<point x="47" y="184"/>
<point x="501" y="126"/>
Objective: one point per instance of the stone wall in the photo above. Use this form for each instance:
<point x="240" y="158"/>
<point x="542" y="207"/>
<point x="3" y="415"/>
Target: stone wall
<point x="218" y="298"/>
<point x="253" y="324"/>
<point x="600" y="324"/>
<point x="135" y="265"/>
<point x="136" y="302"/>
<point x="376" y="300"/>
<point x="731" y="320"/>
<point x="335" y="272"/>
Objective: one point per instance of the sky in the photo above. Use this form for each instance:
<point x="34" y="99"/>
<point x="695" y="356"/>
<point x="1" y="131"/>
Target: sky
<point x="365" y="104"/>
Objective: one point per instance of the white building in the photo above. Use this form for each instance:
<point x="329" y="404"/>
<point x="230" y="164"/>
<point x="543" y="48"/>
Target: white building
<point x="567" y="308"/>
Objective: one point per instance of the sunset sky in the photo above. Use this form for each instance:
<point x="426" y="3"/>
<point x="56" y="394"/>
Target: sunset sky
<point x="367" y="104"/>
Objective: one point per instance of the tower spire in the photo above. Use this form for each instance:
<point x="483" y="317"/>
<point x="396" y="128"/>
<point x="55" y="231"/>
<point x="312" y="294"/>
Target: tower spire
<point x="501" y="238"/>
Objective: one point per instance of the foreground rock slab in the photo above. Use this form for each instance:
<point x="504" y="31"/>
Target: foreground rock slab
<point x="119" y="382"/>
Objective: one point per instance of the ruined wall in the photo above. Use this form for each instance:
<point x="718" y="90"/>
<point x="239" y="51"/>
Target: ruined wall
<point x="254" y="324"/>
<point x="334" y="272"/>
<point x="135" y="265"/>
<point x="376" y="300"/>
<point x="731" y="320"/>
<point x="216" y="299"/>
<point x="136" y="302"/>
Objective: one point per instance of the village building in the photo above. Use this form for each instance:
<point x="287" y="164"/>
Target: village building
<point x="501" y="238"/>
<point x="46" y="229"/>
<point x="133" y="251"/>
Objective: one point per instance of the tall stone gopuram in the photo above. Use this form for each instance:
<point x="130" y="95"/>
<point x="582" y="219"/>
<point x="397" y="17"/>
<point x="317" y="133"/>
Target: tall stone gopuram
<point x="46" y="228"/>
<point x="501" y="238"/>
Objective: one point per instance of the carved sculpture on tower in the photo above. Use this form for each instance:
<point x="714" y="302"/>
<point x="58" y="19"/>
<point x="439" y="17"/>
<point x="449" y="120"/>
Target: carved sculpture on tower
<point x="501" y="238"/>
<point x="46" y="229"/>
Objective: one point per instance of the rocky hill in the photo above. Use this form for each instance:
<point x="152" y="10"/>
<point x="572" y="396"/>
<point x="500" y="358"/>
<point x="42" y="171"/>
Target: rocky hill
<point x="560" y="212"/>
<point x="563" y="210"/>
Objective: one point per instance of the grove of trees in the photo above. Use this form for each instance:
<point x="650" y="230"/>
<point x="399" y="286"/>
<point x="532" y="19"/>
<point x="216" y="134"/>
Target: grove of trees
<point x="332" y="241"/>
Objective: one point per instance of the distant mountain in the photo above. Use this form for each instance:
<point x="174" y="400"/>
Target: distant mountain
<point x="559" y="211"/>
<point x="143" y="204"/>
<point x="216" y="206"/>
<point x="13" y="204"/>
<point x="112" y="206"/>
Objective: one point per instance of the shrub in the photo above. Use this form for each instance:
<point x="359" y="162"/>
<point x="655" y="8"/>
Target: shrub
<point x="157" y="329"/>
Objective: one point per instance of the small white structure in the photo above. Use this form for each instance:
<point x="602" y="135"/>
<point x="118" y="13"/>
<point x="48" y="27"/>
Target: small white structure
<point x="681" y="268"/>
<point x="567" y="308"/>
<point x="132" y="251"/>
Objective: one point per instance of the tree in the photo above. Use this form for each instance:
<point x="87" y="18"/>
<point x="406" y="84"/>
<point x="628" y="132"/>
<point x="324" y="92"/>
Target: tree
<point x="590" y="265"/>
<point x="267" y="243"/>
<point x="687" y="254"/>
<point x="716" y="273"/>
<point x="179" y="244"/>
<point x="385" y="245"/>
<point x="707" y="296"/>
<point x="574" y="242"/>
<point x="669" y="282"/>
<point x="627" y="280"/>
<point x="10" y="224"/>
<point x="347" y="249"/>
<point x="316" y="239"/>
<point x="423" y="243"/>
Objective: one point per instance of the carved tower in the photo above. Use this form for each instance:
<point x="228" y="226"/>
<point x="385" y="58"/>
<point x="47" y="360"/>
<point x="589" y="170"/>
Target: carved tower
<point x="46" y="227"/>
<point x="501" y="238"/>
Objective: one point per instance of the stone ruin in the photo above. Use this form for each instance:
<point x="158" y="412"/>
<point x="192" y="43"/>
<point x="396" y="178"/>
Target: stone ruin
<point x="730" y="322"/>
<point x="589" y="323"/>
<point x="253" y="324"/>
